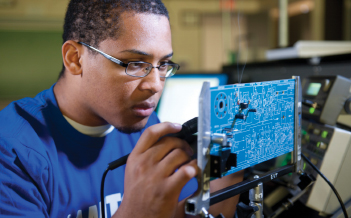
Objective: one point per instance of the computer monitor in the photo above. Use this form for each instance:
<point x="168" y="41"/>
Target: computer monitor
<point x="180" y="99"/>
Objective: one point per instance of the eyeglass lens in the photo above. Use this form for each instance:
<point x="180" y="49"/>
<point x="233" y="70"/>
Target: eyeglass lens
<point x="141" y="69"/>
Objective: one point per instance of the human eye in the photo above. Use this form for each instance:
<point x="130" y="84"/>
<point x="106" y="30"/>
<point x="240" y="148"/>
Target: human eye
<point x="165" y="64"/>
<point x="163" y="67"/>
<point x="135" y="65"/>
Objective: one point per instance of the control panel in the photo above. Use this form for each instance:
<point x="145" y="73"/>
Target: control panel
<point x="329" y="149"/>
<point x="324" y="98"/>
<point x="315" y="141"/>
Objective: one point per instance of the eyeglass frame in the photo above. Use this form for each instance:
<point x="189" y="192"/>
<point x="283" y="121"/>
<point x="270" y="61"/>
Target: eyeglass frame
<point x="119" y="62"/>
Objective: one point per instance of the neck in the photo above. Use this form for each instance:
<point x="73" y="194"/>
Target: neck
<point x="71" y="103"/>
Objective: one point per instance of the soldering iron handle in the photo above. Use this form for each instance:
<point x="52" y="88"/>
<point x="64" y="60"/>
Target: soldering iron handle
<point x="119" y="162"/>
<point x="188" y="128"/>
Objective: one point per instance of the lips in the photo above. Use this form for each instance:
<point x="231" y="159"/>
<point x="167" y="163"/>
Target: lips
<point x="144" y="109"/>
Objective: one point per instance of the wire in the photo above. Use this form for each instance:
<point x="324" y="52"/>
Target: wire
<point x="290" y="202"/>
<point x="329" y="183"/>
<point x="111" y="166"/>
<point x="237" y="61"/>
<point x="188" y="128"/>
<point x="102" y="195"/>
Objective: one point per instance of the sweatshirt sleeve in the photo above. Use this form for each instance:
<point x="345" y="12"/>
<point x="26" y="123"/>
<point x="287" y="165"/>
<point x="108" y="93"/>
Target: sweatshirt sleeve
<point x="23" y="181"/>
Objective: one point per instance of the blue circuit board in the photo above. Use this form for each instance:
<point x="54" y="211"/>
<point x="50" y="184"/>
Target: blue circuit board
<point x="258" y="119"/>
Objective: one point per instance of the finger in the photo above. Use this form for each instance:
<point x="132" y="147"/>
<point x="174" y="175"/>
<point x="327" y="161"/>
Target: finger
<point x="178" y="180"/>
<point x="174" y="160"/>
<point x="165" y="146"/>
<point x="152" y="134"/>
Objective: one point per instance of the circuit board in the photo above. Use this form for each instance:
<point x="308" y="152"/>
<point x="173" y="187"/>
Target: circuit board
<point x="258" y="120"/>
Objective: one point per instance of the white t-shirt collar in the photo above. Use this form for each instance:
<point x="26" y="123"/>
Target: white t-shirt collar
<point x="94" y="131"/>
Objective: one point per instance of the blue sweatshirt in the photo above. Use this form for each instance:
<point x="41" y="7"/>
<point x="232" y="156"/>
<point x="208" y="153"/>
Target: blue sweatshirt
<point x="49" y="169"/>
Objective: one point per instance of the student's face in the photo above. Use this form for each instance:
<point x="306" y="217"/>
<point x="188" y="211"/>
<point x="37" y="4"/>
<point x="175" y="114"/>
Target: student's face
<point x="122" y="100"/>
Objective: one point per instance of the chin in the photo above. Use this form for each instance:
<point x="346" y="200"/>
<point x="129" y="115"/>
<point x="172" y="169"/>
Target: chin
<point x="128" y="130"/>
<point x="132" y="127"/>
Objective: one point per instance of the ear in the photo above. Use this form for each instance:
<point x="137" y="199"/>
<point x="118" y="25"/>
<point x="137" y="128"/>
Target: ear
<point x="71" y="54"/>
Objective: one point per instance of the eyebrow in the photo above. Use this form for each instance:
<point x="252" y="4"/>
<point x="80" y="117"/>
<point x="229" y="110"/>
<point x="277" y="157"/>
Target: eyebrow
<point x="134" y="51"/>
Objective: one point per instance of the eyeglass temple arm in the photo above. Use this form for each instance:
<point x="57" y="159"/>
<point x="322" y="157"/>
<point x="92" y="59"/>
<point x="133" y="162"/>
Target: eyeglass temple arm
<point x="104" y="54"/>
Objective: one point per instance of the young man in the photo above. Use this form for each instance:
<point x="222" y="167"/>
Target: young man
<point x="55" y="147"/>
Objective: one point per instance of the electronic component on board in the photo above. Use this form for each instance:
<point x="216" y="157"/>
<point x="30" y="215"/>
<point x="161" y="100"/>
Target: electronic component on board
<point x="244" y="105"/>
<point x="222" y="163"/>
<point x="240" y="116"/>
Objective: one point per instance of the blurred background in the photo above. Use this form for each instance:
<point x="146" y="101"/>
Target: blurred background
<point x="243" y="40"/>
<point x="209" y="36"/>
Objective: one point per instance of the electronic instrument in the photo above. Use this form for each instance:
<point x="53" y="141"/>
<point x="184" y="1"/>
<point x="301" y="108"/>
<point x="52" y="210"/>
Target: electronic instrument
<point x="241" y="125"/>
<point x="329" y="149"/>
<point x="326" y="99"/>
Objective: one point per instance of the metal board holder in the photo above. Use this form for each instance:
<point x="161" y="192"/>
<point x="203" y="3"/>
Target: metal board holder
<point x="201" y="201"/>
<point x="296" y="153"/>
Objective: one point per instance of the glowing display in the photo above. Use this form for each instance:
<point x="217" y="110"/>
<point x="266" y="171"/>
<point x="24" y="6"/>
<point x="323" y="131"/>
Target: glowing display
<point x="313" y="89"/>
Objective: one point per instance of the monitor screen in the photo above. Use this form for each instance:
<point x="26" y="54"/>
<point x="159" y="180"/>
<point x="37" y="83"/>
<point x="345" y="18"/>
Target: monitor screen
<point x="313" y="88"/>
<point x="180" y="99"/>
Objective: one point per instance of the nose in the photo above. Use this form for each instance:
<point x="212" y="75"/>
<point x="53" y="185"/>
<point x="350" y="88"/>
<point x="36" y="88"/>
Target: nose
<point x="152" y="82"/>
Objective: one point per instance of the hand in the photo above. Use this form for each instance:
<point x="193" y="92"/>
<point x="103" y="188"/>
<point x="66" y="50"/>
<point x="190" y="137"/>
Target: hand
<point x="151" y="186"/>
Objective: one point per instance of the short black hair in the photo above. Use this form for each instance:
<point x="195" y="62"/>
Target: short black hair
<point x="93" y="21"/>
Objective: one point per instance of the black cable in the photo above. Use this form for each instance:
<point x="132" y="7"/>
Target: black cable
<point x="329" y="183"/>
<point x="111" y="166"/>
<point x="117" y="163"/>
<point x="102" y="195"/>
